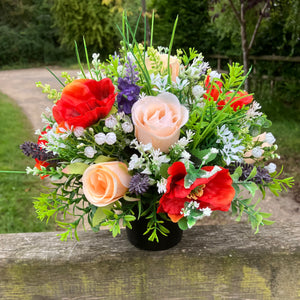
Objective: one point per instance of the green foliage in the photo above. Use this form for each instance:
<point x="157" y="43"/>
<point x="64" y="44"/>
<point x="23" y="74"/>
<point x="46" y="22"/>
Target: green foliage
<point x="75" y="19"/>
<point x="27" y="35"/>
<point x="192" y="28"/>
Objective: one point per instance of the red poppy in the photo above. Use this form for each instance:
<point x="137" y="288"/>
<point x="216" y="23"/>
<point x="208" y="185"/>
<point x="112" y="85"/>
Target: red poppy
<point x="39" y="164"/>
<point x="84" y="101"/>
<point x="242" y="98"/>
<point x="215" y="192"/>
<point x="213" y="91"/>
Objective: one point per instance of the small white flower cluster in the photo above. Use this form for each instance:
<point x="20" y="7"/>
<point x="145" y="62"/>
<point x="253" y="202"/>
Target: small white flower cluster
<point x="102" y="138"/>
<point x="55" y="141"/>
<point x="184" y="141"/>
<point x="162" y="186"/>
<point x="193" y="206"/>
<point x="253" y="111"/>
<point x="113" y="121"/>
<point x="232" y="150"/>
<point x="89" y="152"/>
<point x="150" y="159"/>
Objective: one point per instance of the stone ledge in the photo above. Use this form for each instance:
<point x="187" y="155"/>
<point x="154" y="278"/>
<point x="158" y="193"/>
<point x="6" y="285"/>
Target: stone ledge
<point x="211" y="262"/>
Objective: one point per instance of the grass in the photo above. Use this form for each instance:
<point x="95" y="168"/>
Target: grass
<point x="16" y="190"/>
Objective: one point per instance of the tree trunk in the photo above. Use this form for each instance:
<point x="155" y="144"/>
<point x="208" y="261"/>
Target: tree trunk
<point x="245" y="49"/>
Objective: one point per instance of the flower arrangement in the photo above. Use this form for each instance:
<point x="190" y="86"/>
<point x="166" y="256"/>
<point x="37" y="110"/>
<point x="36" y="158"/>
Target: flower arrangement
<point x="159" y="133"/>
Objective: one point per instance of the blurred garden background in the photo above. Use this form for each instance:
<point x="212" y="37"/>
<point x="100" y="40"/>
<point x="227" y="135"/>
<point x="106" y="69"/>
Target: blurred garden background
<point x="262" y="34"/>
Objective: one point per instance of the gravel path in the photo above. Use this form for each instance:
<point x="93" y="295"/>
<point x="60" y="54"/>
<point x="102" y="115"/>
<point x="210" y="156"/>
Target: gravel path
<point x="20" y="86"/>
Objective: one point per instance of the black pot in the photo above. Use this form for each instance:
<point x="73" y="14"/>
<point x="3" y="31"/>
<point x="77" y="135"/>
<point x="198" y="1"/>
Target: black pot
<point x="137" y="238"/>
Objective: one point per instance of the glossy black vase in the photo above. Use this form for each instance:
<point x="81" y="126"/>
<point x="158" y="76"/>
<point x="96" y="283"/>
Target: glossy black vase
<point x="137" y="238"/>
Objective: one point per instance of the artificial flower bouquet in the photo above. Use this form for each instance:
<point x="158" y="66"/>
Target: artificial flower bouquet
<point x="147" y="133"/>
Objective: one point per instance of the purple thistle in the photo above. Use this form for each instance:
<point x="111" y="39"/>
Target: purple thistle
<point x="139" y="184"/>
<point x="36" y="152"/>
<point x="129" y="91"/>
<point x="262" y="175"/>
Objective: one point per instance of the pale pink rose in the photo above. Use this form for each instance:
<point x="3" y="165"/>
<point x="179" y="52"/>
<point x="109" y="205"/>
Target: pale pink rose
<point x="248" y="154"/>
<point x="174" y="64"/>
<point x="105" y="182"/>
<point x="158" y="120"/>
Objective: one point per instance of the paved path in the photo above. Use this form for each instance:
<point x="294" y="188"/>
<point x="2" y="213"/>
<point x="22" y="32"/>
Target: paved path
<point x="20" y="86"/>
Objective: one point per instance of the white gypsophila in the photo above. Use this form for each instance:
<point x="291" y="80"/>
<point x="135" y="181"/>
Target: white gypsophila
<point x="111" y="122"/>
<point x="270" y="139"/>
<point x="198" y="91"/>
<point x="232" y="150"/>
<point x="253" y="112"/>
<point x="185" y="155"/>
<point x="162" y="186"/>
<point x="135" y="162"/>
<point x="100" y="138"/>
<point x="127" y="127"/>
<point x="257" y="152"/>
<point x="89" y="152"/>
<point x="78" y="131"/>
<point x="214" y="74"/>
<point x="206" y="211"/>
<point x="184" y="141"/>
<point x="271" y="168"/>
<point x="158" y="157"/>
<point x="111" y="138"/>
<point x="96" y="59"/>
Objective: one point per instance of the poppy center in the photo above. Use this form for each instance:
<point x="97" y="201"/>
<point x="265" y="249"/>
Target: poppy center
<point x="196" y="192"/>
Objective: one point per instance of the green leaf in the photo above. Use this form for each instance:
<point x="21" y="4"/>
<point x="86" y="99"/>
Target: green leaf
<point x="191" y="222"/>
<point x="100" y="215"/>
<point x="251" y="187"/>
<point x="182" y="223"/>
<point x="164" y="170"/>
<point x="237" y="174"/>
<point x="127" y="198"/>
<point x="76" y="168"/>
<point x="103" y="158"/>
<point x="252" y="174"/>
<point x="129" y="218"/>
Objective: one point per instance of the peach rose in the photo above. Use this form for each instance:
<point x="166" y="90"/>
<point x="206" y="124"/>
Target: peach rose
<point x="174" y="64"/>
<point x="105" y="182"/>
<point x="158" y="120"/>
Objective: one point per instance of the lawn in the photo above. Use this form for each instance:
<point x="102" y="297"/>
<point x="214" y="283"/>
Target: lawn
<point x="16" y="190"/>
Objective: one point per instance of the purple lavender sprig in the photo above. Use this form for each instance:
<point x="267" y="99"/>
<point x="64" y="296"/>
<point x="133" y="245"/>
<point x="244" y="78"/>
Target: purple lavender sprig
<point x="129" y="91"/>
<point x="36" y="152"/>
<point x="262" y="175"/>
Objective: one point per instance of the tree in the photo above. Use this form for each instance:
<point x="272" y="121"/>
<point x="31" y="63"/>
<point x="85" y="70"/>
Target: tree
<point x="257" y="9"/>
